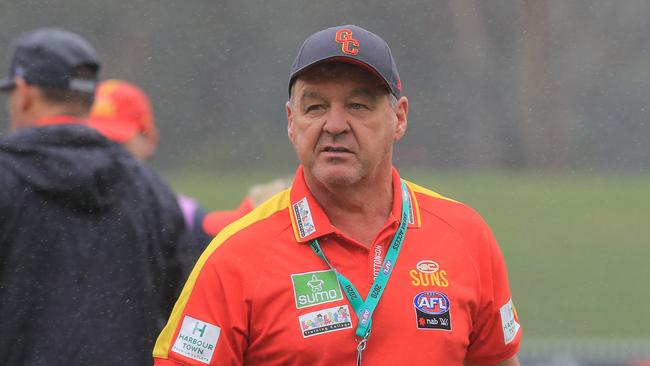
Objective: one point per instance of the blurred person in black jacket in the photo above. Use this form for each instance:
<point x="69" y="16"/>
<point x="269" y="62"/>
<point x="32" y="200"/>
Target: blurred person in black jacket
<point x="122" y="112"/>
<point x="91" y="241"/>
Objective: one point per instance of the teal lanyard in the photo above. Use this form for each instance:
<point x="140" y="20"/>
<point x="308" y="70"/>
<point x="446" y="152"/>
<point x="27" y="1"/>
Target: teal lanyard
<point x="365" y="309"/>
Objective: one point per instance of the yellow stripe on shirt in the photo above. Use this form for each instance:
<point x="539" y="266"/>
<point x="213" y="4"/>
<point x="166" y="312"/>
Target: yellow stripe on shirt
<point x="419" y="189"/>
<point x="275" y="204"/>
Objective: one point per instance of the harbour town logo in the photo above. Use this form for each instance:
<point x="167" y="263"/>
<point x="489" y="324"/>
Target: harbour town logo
<point x="313" y="288"/>
<point x="509" y="321"/>
<point x="197" y="339"/>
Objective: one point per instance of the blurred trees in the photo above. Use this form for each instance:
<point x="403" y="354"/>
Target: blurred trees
<point x="551" y="84"/>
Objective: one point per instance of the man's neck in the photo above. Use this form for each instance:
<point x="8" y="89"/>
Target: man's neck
<point x="358" y="210"/>
<point x="40" y="114"/>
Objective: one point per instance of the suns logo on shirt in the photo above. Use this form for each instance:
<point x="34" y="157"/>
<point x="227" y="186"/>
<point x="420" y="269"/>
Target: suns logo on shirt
<point x="427" y="273"/>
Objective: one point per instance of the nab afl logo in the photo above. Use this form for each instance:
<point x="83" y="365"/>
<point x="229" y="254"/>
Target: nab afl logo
<point x="435" y="303"/>
<point x="432" y="310"/>
<point x="349" y="45"/>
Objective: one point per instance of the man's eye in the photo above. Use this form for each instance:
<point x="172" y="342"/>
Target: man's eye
<point x="357" y="106"/>
<point x="314" y="107"/>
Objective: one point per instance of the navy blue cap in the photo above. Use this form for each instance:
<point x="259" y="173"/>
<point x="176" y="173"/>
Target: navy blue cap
<point x="349" y="43"/>
<point x="50" y="57"/>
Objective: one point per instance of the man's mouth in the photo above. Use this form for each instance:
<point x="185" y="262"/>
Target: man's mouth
<point x="335" y="149"/>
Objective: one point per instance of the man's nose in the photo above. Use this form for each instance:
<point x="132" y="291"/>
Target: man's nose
<point x="337" y="120"/>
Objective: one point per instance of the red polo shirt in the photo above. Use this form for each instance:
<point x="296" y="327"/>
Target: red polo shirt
<point x="259" y="295"/>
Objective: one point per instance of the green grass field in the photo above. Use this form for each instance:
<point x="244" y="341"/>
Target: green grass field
<point x="577" y="246"/>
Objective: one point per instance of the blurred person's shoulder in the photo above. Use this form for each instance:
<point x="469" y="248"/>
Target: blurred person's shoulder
<point x="257" y="232"/>
<point x="54" y="158"/>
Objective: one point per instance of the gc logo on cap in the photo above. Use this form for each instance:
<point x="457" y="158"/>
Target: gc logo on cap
<point x="349" y="45"/>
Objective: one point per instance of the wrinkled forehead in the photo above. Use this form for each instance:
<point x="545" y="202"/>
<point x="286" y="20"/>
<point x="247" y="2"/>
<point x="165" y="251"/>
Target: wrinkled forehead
<point x="341" y="72"/>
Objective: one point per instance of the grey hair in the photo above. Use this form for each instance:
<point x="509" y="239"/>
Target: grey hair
<point x="392" y="100"/>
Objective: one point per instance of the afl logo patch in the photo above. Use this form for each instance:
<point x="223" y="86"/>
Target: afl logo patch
<point x="432" y="310"/>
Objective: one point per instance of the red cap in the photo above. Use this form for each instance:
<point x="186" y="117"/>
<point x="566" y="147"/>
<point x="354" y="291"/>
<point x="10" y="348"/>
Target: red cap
<point x="121" y="110"/>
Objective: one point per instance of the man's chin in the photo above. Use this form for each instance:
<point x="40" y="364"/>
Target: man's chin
<point x="337" y="176"/>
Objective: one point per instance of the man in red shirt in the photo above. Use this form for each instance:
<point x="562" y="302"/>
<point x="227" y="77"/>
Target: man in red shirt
<point x="351" y="263"/>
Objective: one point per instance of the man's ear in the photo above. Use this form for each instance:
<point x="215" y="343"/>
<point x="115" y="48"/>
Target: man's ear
<point x="401" y="112"/>
<point x="289" y="109"/>
<point x="24" y="94"/>
<point x="20" y="104"/>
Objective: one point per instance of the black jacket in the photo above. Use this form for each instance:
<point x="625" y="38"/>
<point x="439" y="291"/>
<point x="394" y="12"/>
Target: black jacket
<point x="91" y="250"/>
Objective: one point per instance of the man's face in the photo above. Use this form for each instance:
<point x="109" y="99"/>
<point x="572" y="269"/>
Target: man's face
<point x="342" y="124"/>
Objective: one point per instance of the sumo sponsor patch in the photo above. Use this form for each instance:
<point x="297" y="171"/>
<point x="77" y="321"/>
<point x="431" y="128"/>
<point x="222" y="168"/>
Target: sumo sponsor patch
<point x="196" y="339"/>
<point x="432" y="310"/>
<point x="313" y="288"/>
<point x="325" y="321"/>
<point x="509" y="321"/>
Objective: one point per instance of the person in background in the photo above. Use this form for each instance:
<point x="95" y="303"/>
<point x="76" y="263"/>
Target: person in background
<point x="122" y="112"/>
<point x="91" y="240"/>
<point x="215" y="221"/>
<point x="352" y="263"/>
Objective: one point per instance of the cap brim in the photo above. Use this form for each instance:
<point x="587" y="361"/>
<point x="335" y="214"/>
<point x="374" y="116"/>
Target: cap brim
<point x="339" y="58"/>
<point x="7" y="84"/>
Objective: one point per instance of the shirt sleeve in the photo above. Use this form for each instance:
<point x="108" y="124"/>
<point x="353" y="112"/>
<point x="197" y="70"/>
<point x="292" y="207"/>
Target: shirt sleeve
<point x="209" y="323"/>
<point x="496" y="331"/>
